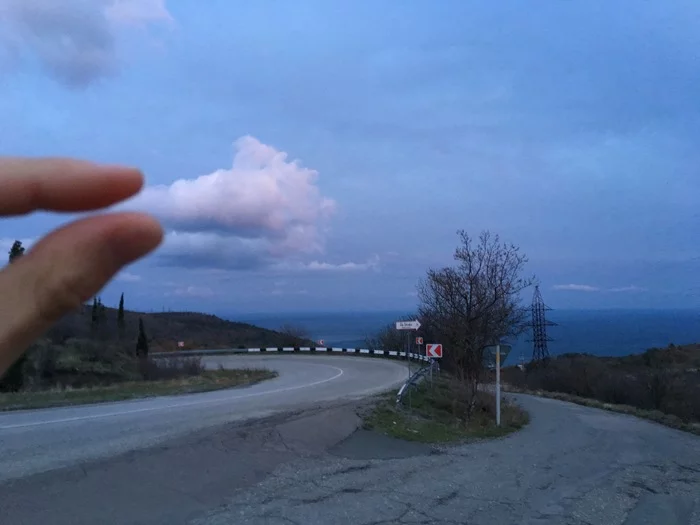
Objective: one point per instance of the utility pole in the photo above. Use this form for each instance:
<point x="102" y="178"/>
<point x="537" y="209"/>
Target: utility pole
<point x="540" y="352"/>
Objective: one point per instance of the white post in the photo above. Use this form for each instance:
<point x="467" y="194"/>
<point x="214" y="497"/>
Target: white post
<point x="498" y="385"/>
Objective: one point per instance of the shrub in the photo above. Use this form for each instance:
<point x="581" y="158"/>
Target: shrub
<point x="171" y="368"/>
<point x="655" y="380"/>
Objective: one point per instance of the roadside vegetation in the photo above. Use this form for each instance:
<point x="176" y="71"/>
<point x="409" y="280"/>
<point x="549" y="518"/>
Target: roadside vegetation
<point x="466" y="307"/>
<point x="99" y="353"/>
<point x="434" y="414"/>
<point x="201" y="381"/>
<point x="662" y="384"/>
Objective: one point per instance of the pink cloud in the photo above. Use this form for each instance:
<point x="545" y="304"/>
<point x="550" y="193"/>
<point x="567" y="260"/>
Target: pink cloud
<point x="264" y="208"/>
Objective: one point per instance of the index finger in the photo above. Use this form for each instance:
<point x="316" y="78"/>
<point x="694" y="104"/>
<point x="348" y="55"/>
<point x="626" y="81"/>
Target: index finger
<point x="56" y="184"/>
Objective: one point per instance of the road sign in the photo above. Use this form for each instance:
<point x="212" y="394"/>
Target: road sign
<point x="407" y="325"/>
<point x="419" y="340"/>
<point x="322" y="342"/>
<point x="490" y="355"/>
<point x="433" y="350"/>
<point x="181" y="344"/>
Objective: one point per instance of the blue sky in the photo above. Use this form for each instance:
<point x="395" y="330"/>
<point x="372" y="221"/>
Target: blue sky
<point x="317" y="155"/>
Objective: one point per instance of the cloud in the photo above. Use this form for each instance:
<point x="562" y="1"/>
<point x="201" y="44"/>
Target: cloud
<point x="264" y="209"/>
<point x="128" y="277"/>
<point x="316" y="266"/>
<point x="576" y="287"/>
<point x="74" y="40"/>
<point x="138" y="11"/>
<point x="278" y="291"/>
<point x="213" y="250"/>
<point x="627" y="289"/>
<point x="201" y="292"/>
<point x="589" y="288"/>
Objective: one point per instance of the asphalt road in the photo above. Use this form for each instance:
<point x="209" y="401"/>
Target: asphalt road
<point x="571" y="466"/>
<point x="39" y="440"/>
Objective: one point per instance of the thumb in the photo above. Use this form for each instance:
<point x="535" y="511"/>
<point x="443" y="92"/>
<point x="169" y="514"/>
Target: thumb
<point x="65" y="269"/>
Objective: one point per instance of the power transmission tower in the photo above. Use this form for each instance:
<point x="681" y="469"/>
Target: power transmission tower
<point x="539" y="328"/>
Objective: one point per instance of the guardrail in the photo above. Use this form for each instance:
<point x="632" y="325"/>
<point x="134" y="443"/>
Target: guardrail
<point x="416" y="378"/>
<point x="290" y="349"/>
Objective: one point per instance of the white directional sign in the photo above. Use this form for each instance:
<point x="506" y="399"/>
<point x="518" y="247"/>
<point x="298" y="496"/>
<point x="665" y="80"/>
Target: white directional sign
<point x="407" y="325"/>
<point x="434" y="351"/>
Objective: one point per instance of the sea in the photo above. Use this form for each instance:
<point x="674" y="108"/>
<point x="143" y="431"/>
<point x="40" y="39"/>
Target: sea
<point x="597" y="332"/>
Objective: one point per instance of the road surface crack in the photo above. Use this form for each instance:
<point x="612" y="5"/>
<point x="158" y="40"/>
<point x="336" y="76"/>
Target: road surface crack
<point x="444" y="500"/>
<point x="353" y="468"/>
<point x="324" y="497"/>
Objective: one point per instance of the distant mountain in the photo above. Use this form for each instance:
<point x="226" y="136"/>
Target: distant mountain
<point x="166" y="329"/>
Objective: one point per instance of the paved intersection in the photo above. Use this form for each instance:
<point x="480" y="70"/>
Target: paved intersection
<point x="572" y="465"/>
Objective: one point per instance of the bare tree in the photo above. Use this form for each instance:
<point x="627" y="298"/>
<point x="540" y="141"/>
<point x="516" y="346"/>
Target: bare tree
<point x="388" y="338"/>
<point x="474" y="303"/>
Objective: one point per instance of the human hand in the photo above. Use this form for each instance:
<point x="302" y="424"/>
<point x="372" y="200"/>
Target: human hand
<point x="72" y="263"/>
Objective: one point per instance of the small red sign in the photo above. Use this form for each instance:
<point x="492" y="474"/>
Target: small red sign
<point x="419" y="340"/>
<point x="433" y="350"/>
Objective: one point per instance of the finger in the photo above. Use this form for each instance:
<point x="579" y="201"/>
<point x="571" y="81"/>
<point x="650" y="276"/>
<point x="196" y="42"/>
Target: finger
<point x="62" y="185"/>
<point x="64" y="270"/>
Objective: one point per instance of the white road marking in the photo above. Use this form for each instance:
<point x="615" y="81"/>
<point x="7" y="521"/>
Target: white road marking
<point x="176" y="405"/>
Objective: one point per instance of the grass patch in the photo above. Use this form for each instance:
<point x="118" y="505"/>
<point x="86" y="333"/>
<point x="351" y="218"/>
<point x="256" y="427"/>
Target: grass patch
<point x="204" y="382"/>
<point x="657" y="416"/>
<point x="435" y="416"/>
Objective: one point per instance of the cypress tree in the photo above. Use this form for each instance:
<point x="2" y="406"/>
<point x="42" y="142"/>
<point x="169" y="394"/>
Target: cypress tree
<point x="120" y="317"/>
<point x="142" y="341"/>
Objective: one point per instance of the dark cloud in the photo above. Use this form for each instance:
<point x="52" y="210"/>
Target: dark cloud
<point x="73" y="40"/>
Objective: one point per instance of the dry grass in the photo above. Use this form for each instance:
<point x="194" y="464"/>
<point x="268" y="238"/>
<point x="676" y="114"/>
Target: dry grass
<point x="204" y="382"/>
<point x="665" y="380"/>
<point x="435" y="416"/>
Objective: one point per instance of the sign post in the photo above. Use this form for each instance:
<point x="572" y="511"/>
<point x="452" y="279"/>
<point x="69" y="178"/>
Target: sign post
<point x="433" y="351"/>
<point x="493" y="355"/>
<point x="419" y="344"/>
<point x="408" y="325"/>
<point x="498" y="385"/>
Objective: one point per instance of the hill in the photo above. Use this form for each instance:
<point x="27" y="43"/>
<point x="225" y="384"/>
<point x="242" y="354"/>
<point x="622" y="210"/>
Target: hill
<point x="166" y="329"/>
<point x="661" y="379"/>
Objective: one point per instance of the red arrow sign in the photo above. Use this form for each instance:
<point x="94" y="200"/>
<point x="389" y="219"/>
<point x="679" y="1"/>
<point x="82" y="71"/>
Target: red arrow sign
<point x="434" y="350"/>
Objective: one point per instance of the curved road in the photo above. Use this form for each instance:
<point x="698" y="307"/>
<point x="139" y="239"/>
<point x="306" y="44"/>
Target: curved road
<point x="571" y="465"/>
<point x="40" y="440"/>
